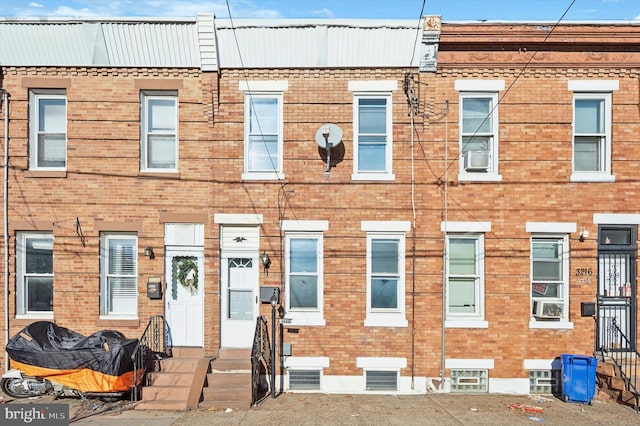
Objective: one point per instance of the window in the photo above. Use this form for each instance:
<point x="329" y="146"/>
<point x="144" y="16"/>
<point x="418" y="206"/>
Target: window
<point x="465" y="277"/>
<point x="34" y="278"/>
<point x="47" y="130"/>
<point x="544" y="382"/>
<point x="304" y="380"/>
<point x="118" y="275"/>
<point x="378" y="380"/>
<point x="469" y="381"/>
<point x="382" y="374"/>
<point x="263" y="124"/>
<point x="549" y="278"/>
<point x="592" y="129"/>
<point x="159" y="139"/>
<point x="479" y="129"/>
<point x="304" y="270"/>
<point x="372" y="129"/>
<point x="386" y="274"/>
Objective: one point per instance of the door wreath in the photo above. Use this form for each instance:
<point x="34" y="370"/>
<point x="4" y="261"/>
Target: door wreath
<point x="186" y="273"/>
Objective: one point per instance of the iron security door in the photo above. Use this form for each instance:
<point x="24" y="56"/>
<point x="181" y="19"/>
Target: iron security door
<point x="616" y="330"/>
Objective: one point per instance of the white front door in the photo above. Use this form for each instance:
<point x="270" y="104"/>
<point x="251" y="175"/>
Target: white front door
<point x="239" y="301"/>
<point x="184" y="275"/>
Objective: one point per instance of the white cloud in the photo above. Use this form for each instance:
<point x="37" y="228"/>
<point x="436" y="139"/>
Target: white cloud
<point x="324" y="13"/>
<point x="76" y="13"/>
<point x="34" y="4"/>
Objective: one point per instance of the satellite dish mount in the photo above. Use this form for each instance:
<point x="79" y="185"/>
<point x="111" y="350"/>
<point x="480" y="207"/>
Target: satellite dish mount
<point x="329" y="136"/>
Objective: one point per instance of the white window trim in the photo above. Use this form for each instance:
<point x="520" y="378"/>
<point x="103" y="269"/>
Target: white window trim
<point x="538" y="364"/>
<point x="387" y="230"/>
<point x="481" y="89"/>
<point x="294" y="363"/>
<point x="21" y="304"/>
<point x="616" y="219"/>
<point x="145" y="96"/>
<point x="551" y="227"/>
<point x="104" y="236"/>
<point x="380" y="364"/>
<point x="34" y="122"/>
<point x="462" y="320"/>
<point x="305" y="317"/>
<point x="564" y="323"/>
<point x="373" y="89"/>
<point x="264" y="89"/>
<point x="598" y="89"/>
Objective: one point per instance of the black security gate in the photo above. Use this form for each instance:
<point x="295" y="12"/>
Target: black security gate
<point x="616" y="288"/>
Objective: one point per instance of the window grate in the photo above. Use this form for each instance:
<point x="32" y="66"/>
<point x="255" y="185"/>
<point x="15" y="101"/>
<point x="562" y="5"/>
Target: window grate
<point x="544" y="382"/>
<point x="381" y="380"/>
<point x="304" y="379"/>
<point x="469" y="380"/>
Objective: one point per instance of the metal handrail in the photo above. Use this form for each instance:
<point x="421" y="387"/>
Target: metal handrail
<point x="261" y="362"/>
<point x="153" y="345"/>
<point x="618" y="348"/>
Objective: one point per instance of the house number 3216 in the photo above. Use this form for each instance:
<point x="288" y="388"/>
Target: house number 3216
<point x="583" y="272"/>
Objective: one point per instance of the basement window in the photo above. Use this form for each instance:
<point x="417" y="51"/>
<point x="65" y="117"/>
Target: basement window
<point x="469" y="381"/>
<point x="544" y="382"/>
<point x="381" y="380"/>
<point x="304" y="379"/>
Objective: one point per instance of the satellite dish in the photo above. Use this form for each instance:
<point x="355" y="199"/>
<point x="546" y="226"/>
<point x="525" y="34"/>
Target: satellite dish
<point x="330" y="134"/>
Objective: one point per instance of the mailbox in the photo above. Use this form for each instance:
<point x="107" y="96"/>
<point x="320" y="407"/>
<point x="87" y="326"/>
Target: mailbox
<point x="154" y="288"/>
<point x="266" y="293"/>
<point x="587" y="309"/>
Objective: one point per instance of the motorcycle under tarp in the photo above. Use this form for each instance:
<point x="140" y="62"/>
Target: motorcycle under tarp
<point x="99" y="363"/>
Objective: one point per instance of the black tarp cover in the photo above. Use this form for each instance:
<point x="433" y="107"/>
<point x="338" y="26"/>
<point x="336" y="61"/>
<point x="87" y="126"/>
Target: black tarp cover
<point x="100" y="362"/>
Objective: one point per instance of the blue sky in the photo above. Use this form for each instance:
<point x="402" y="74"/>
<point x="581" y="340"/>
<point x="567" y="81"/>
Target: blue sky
<point x="450" y="10"/>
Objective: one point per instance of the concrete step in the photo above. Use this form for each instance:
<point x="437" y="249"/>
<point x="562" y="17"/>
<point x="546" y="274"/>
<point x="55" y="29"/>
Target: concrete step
<point x="187" y="352"/>
<point x="169" y="379"/>
<point x="231" y="365"/>
<point x="234" y="353"/>
<point x="178" y="365"/>
<point x="165" y="393"/>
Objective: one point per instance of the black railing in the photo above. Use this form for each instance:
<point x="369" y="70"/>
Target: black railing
<point x="153" y="345"/>
<point x="261" y="362"/>
<point x="615" y="346"/>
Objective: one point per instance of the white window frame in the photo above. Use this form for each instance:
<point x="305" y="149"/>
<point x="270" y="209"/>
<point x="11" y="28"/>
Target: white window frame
<point x="380" y="364"/>
<point x="374" y="89"/>
<point x="294" y="363"/>
<point x="22" y="276"/>
<point x="260" y="89"/>
<point x="297" y="316"/>
<point x="35" y="96"/>
<point x="475" y="319"/>
<point x="552" y="230"/>
<point x="387" y="317"/>
<point x="145" y="97"/>
<point x="603" y="174"/>
<point x="105" y="311"/>
<point x="480" y="89"/>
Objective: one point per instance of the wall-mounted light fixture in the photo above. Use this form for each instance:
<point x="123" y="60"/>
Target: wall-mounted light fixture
<point x="584" y="234"/>
<point x="266" y="262"/>
<point x="148" y="252"/>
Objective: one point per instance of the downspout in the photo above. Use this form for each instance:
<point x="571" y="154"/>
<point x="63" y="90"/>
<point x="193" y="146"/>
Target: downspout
<point x="413" y="256"/>
<point x="445" y="250"/>
<point x="5" y="103"/>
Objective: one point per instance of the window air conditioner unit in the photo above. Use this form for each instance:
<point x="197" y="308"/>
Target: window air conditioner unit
<point x="548" y="310"/>
<point x="476" y="160"/>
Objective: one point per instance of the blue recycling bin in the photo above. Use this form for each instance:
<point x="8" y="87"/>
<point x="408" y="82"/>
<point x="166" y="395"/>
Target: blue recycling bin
<point x="578" y="378"/>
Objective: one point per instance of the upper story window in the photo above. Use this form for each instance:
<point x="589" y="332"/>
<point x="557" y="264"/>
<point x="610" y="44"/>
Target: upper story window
<point x="592" y="130"/>
<point x="47" y="129"/>
<point x="304" y="271"/>
<point x="159" y="139"/>
<point x="34" y="277"/>
<point x="479" y="146"/>
<point x="373" y="129"/>
<point x="118" y="275"/>
<point x="386" y="273"/>
<point x="465" y="273"/>
<point x="550" y="274"/>
<point x="263" y="129"/>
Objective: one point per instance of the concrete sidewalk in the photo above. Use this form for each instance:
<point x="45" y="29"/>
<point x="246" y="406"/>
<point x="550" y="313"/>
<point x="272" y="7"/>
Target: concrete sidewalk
<point x="440" y="409"/>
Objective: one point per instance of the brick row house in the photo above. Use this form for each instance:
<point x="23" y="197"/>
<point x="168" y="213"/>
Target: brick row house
<point x="440" y="203"/>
